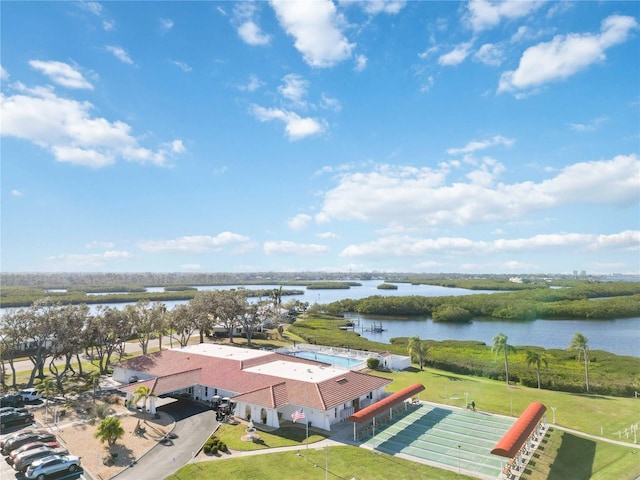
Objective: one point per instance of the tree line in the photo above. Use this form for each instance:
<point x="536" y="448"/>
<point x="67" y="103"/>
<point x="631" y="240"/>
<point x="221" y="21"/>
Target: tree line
<point x="54" y="336"/>
<point x="603" y="300"/>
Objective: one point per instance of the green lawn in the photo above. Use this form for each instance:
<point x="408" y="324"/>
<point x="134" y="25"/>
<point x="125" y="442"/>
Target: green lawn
<point x="283" y="437"/>
<point x="590" y="414"/>
<point x="343" y="463"/>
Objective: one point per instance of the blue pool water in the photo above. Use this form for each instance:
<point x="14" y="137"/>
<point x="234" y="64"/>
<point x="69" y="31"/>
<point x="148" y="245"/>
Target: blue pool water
<point x="327" y="358"/>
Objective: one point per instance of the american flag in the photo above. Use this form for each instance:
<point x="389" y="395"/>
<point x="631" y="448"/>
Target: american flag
<point x="297" y="415"/>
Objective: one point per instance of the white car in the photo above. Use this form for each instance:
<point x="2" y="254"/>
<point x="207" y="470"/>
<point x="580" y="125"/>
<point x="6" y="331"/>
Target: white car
<point x="30" y="394"/>
<point x="48" y="466"/>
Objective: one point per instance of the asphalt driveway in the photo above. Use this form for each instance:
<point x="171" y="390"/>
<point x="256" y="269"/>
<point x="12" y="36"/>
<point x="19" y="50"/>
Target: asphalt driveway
<point x="194" y="424"/>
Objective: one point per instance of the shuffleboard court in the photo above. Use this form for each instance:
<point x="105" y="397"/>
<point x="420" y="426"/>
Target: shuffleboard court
<point x="459" y="440"/>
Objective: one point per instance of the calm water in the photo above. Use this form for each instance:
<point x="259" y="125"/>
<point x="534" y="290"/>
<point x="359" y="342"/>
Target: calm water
<point x="621" y="336"/>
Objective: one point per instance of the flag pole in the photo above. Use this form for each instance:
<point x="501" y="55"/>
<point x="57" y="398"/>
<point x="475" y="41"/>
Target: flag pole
<point x="307" y="440"/>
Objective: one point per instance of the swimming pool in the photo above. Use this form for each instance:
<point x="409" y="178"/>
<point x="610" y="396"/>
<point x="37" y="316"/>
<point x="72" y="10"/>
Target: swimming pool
<point x="334" y="360"/>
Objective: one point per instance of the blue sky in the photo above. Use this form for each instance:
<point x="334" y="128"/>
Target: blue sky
<point x="388" y="136"/>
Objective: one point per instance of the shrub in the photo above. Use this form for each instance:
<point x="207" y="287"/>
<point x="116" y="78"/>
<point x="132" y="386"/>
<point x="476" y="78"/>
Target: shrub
<point x="373" y="363"/>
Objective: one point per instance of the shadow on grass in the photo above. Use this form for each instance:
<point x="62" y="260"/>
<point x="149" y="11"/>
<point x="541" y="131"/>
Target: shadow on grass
<point x="590" y="396"/>
<point x="452" y="378"/>
<point x="574" y="459"/>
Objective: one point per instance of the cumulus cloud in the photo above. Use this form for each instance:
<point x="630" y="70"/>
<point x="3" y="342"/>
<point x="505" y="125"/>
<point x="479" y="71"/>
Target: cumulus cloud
<point x="194" y="243"/>
<point x="374" y="7"/>
<point x="299" y="222"/>
<point x="166" y="24"/>
<point x="316" y="29"/>
<point x="565" y="55"/>
<point x="62" y="74"/>
<point x="291" y="248"/>
<point x="587" y="127"/>
<point x="71" y="133"/>
<point x="487" y="14"/>
<point x="409" y="246"/>
<point x="456" y="56"/>
<point x="248" y="29"/>
<point x="296" y="127"/>
<point x="99" y="244"/>
<point x="120" y="53"/>
<point x="294" y="88"/>
<point x="16" y="193"/>
<point x="405" y="198"/>
<point x="490" y="54"/>
<point x="4" y="75"/>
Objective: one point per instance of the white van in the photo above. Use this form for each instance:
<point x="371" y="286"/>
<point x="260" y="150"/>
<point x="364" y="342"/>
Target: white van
<point x="30" y="394"/>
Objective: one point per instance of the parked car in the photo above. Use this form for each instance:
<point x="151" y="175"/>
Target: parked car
<point x="37" y="436"/>
<point x="45" y="467"/>
<point x="10" y="419"/>
<point x="4" y="410"/>
<point x="30" y="446"/>
<point x="22" y="461"/>
<point x="30" y="394"/>
<point x="11" y="400"/>
<point x="13" y="435"/>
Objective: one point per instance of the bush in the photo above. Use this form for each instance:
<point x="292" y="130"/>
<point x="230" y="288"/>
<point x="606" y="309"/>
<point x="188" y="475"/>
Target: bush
<point x="373" y="363"/>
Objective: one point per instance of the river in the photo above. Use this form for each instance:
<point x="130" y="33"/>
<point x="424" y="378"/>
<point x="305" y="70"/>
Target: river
<point x="619" y="336"/>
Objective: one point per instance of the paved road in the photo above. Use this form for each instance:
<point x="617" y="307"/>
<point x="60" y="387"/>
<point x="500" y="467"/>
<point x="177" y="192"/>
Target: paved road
<point x="194" y="424"/>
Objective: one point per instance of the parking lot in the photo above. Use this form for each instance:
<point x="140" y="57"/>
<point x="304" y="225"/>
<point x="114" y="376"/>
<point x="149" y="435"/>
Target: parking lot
<point x="8" y="473"/>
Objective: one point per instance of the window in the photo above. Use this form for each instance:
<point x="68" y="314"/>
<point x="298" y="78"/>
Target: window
<point x="206" y="391"/>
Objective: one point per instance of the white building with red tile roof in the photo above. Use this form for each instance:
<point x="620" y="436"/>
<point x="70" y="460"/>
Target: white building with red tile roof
<point x="265" y="386"/>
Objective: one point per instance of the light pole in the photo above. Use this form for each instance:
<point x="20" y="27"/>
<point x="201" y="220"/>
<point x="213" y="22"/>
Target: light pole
<point x="466" y="402"/>
<point x="458" y="459"/>
<point x="553" y="409"/>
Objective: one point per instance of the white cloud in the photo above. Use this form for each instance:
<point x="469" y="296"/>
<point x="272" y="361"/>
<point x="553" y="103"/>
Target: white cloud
<point x="327" y="235"/>
<point x="89" y="261"/>
<point x="252" y="85"/>
<point x="329" y="103"/>
<point x="455" y="56"/>
<point x="119" y="53"/>
<point x="490" y="54"/>
<point x="67" y="128"/>
<point x="486" y="14"/>
<point x="16" y="193"/>
<point x="247" y="26"/>
<point x="292" y="248"/>
<point x="62" y="74"/>
<point x="166" y="24"/>
<point x="296" y="127"/>
<point x="481" y="145"/>
<point x="182" y="65"/>
<point x="409" y="246"/>
<point x="299" y="222"/>
<point x="374" y="7"/>
<point x="194" y="243"/>
<point x="316" y="27"/>
<point x="410" y="198"/>
<point x="587" y="127"/>
<point x="4" y="75"/>
<point x="99" y="244"/>
<point x="92" y="7"/>
<point x="294" y="88"/>
<point x="251" y="33"/>
<point x="361" y="63"/>
<point x="565" y="55"/>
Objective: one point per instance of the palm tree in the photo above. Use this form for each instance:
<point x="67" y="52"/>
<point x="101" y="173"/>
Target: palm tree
<point x="109" y="430"/>
<point x="143" y="393"/>
<point x="500" y="345"/>
<point x="580" y="343"/>
<point x="417" y="349"/>
<point x="537" y="359"/>
<point x="93" y="379"/>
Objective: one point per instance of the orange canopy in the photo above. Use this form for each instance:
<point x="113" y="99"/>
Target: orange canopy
<point x="385" y="404"/>
<point x="511" y="442"/>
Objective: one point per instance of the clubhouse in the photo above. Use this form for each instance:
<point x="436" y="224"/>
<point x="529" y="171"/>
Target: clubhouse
<point x="264" y="386"/>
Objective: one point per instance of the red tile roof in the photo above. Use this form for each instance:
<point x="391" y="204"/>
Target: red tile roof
<point x="176" y="370"/>
<point x="511" y="442"/>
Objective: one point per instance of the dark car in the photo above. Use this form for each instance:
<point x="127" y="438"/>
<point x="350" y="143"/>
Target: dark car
<point x="17" y="442"/>
<point x="10" y="419"/>
<point x="12" y="435"/>
<point x="12" y="400"/>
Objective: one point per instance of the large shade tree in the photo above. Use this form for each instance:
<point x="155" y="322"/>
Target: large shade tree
<point x="580" y="344"/>
<point x="500" y="346"/>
